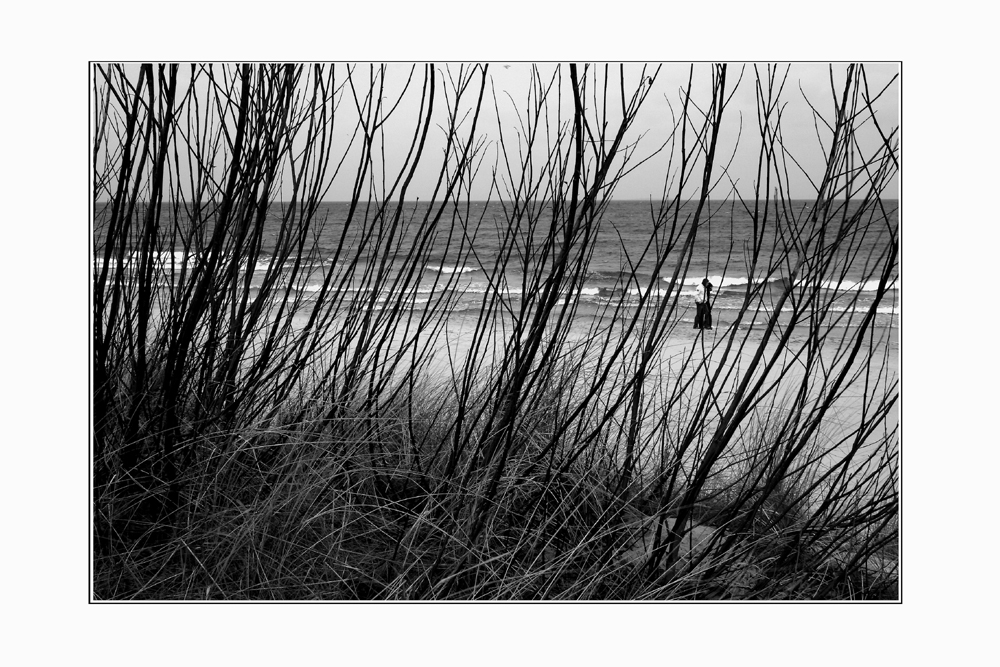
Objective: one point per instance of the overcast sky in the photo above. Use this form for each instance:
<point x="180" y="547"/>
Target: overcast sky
<point x="511" y="84"/>
<point x="654" y="121"/>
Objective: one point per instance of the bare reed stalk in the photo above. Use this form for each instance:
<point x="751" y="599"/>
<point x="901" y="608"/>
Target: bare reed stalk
<point x="253" y="439"/>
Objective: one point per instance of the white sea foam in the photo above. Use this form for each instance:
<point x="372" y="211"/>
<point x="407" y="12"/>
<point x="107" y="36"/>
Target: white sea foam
<point x="164" y="259"/>
<point x="483" y="288"/>
<point x="836" y="284"/>
<point x="859" y="309"/>
<point x="639" y="291"/>
<point x="717" y="281"/>
<point x="177" y="260"/>
<point x="445" y="269"/>
<point x="855" y="286"/>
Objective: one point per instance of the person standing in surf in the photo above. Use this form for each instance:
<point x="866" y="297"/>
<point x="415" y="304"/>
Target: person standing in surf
<point x="703" y="315"/>
<point x="707" y="306"/>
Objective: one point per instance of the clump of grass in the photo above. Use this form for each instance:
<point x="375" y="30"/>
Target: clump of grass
<point x="254" y="443"/>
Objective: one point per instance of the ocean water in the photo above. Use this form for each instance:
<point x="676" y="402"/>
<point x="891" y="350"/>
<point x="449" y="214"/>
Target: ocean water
<point x="468" y="256"/>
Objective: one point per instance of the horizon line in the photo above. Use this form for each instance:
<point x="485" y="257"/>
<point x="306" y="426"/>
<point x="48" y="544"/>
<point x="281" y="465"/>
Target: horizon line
<point x="484" y="201"/>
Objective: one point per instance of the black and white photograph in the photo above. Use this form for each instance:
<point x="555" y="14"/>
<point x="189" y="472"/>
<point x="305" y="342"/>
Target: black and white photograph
<point x="513" y="333"/>
<point x="496" y="331"/>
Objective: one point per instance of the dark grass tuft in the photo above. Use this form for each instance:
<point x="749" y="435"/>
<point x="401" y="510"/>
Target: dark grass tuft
<point x="253" y="444"/>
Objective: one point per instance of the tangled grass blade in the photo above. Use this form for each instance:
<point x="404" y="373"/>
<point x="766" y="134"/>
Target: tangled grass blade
<point x="384" y="399"/>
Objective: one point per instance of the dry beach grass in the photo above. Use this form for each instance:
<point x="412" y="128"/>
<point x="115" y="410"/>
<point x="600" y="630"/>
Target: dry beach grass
<point x="251" y="443"/>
